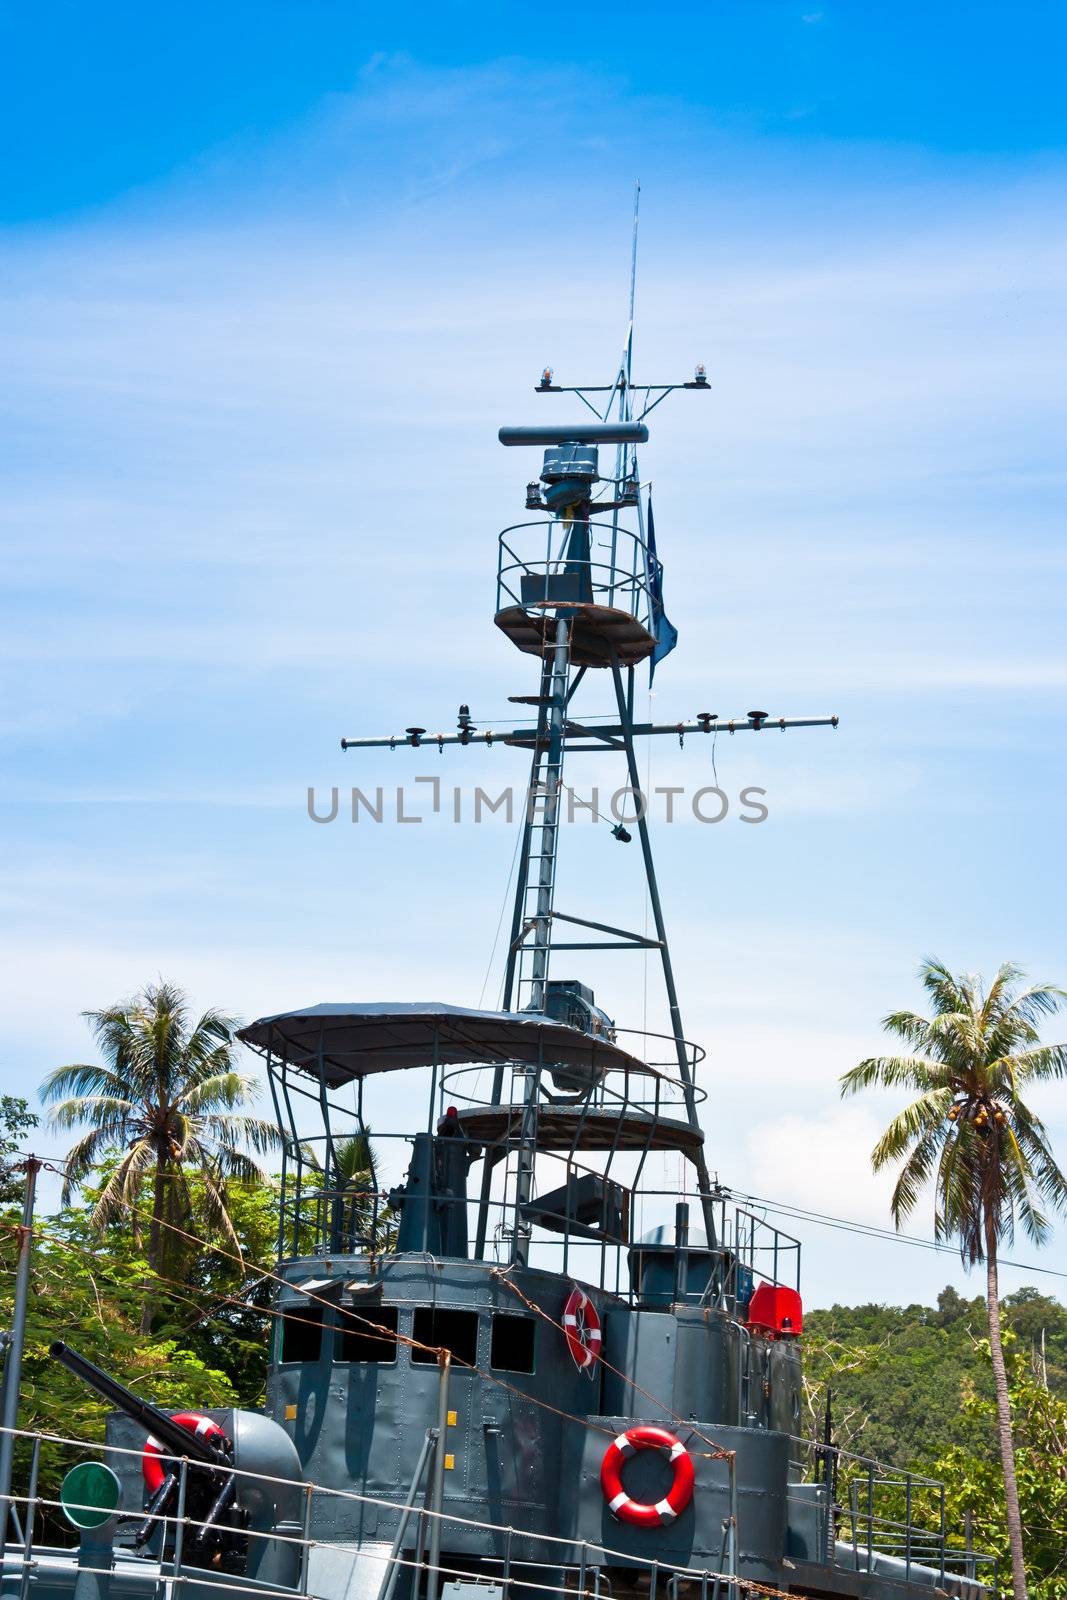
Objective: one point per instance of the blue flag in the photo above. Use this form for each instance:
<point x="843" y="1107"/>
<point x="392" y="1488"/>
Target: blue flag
<point x="666" y="634"/>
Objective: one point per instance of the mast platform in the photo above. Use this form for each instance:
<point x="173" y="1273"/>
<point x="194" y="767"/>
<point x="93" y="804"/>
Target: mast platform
<point x="591" y="573"/>
<point x="599" y="634"/>
<point x="577" y="1128"/>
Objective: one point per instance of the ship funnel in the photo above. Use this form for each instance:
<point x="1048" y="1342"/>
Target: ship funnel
<point x="578" y="433"/>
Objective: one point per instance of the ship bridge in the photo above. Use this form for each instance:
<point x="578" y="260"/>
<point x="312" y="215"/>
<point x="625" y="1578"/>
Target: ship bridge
<point x="569" y="1096"/>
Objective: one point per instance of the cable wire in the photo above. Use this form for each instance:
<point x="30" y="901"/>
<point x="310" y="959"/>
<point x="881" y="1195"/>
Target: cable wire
<point x="871" y="1230"/>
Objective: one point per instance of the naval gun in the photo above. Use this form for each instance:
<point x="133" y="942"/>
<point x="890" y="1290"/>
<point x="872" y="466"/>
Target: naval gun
<point x="211" y="1488"/>
<point x="244" y="1478"/>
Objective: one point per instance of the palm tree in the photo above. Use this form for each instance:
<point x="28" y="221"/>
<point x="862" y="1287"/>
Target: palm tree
<point x="357" y="1216"/>
<point x="166" y="1097"/>
<point x="972" y="1133"/>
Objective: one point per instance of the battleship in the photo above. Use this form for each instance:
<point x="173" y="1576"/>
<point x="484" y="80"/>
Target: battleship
<point x="492" y="1379"/>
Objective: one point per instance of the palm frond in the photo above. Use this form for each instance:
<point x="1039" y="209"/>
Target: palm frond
<point x="1047" y="1061"/>
<point x="923" y="1118"/>
<point x="356" y="1156"/>
<point x="121" y="1191"/>
<point x="237" y="1164"/>
<point x="217" y="1211"/>
<point x="81" y="1158"/>
<point x="914" y="1174"/>
<point x="1032" y="1137"/>
<point x="222" y="1088"/>
<point x="955" y="1037"/>
<point x="948" y="992"/>
<point x="909" y="1026"/>
<point x="83" y="1078"/>
<point x="998" y="995"/>
<point x="1035" y="1004"/>
<point x="231" y="1129"/>
<point x="106" y="1110"/>
<point x="957" y="1187"/>
<point x="887" y="1072"/>
<point x="210" y="1048"/>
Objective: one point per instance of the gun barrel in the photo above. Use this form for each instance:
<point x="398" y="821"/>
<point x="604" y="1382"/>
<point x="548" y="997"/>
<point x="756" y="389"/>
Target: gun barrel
<point x="172" y="1436"/>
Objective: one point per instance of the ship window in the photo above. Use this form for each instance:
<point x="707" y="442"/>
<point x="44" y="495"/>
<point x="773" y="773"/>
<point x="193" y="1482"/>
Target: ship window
<point x="456" y="1330"/>
<point x="512" y="1347"/>
<point x="371" y="1338"/>
<point x="301" y="1332"/>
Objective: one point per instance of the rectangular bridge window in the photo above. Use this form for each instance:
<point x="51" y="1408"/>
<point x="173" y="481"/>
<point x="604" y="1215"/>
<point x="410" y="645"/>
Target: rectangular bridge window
<point x="368" y="1335"/>
<point x="512" y="1347"/>
<point x="455" y="1330"/>
<point x="301" y="1331"/>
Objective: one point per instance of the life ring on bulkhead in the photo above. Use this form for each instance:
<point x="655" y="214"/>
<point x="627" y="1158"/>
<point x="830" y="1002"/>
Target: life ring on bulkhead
<point x="620" y="1504"/>
<point x="582" y="1328"/>
<point x="154" y="1455"/>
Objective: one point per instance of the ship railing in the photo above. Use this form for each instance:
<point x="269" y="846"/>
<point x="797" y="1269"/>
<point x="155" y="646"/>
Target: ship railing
<point x="537" y="568"/>
<point x="620" y="1091"/>
<point x="658" y="1091"/>
<point x="520" y="1565"/>
<point x="355" y="1217"/>
<point x="878" y="1518"/>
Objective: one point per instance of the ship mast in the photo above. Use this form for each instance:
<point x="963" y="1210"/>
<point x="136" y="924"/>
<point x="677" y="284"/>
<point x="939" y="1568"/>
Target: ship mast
<point x="579" y="615"/>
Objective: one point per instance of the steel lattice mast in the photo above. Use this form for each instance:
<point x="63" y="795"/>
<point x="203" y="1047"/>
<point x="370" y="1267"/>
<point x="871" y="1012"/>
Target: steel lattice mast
<point x="578" y="615"/>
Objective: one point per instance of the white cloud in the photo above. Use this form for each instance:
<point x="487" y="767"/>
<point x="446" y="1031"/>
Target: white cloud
<point x="820" y="1161"/>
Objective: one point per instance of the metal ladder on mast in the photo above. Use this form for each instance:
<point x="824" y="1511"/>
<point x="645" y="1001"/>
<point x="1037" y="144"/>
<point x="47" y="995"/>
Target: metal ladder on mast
<point x="542" y="849"/>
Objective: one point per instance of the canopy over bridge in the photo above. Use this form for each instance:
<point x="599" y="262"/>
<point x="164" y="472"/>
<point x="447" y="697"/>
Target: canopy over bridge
<point x="343" y="1042"/>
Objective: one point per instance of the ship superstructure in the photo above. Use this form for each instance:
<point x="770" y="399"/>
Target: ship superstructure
<point x="493" y="1375"/>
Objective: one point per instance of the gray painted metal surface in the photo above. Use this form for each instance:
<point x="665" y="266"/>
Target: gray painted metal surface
<point x="579" y="432"/>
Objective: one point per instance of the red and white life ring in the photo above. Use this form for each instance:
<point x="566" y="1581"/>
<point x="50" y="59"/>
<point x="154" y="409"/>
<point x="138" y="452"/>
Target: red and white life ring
<point x="154" y="1455"/>
<point x="582" y="1328"/>
<point x="642" y="1515"/>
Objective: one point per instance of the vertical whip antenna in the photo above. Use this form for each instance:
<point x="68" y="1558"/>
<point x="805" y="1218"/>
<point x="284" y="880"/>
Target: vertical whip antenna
<point x="628" y="362"/>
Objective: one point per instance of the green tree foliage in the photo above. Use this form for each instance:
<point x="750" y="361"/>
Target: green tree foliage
<point x="222" y="1312"/>
<point x="974" y="1484"/>
<point x="899" y="1373"/>
<point x="210" y="1336"/>
<point x="166" y="1096"/>
<point x="913" y="1386"/>
<point x="17" y="1122"/>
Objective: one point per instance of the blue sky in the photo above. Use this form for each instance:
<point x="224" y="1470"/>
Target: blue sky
<point x="272" y="277"/>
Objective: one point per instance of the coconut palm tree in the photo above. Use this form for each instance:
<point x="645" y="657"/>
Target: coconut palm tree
<point x="357" y="1217"/>
<point x="167" y="1098"/>
<point x="972" y="1133"/>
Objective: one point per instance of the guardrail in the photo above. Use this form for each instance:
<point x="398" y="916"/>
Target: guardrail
<point x="355" y="1218"/>
<point x="580" y="1564"/>
<point x="872" y="1539"/>
<point x="879" y="1518"/>
<point x="539" y="563"/>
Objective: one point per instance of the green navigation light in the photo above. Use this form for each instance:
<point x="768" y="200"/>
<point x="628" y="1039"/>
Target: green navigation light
<point x="90" y="1494"/>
